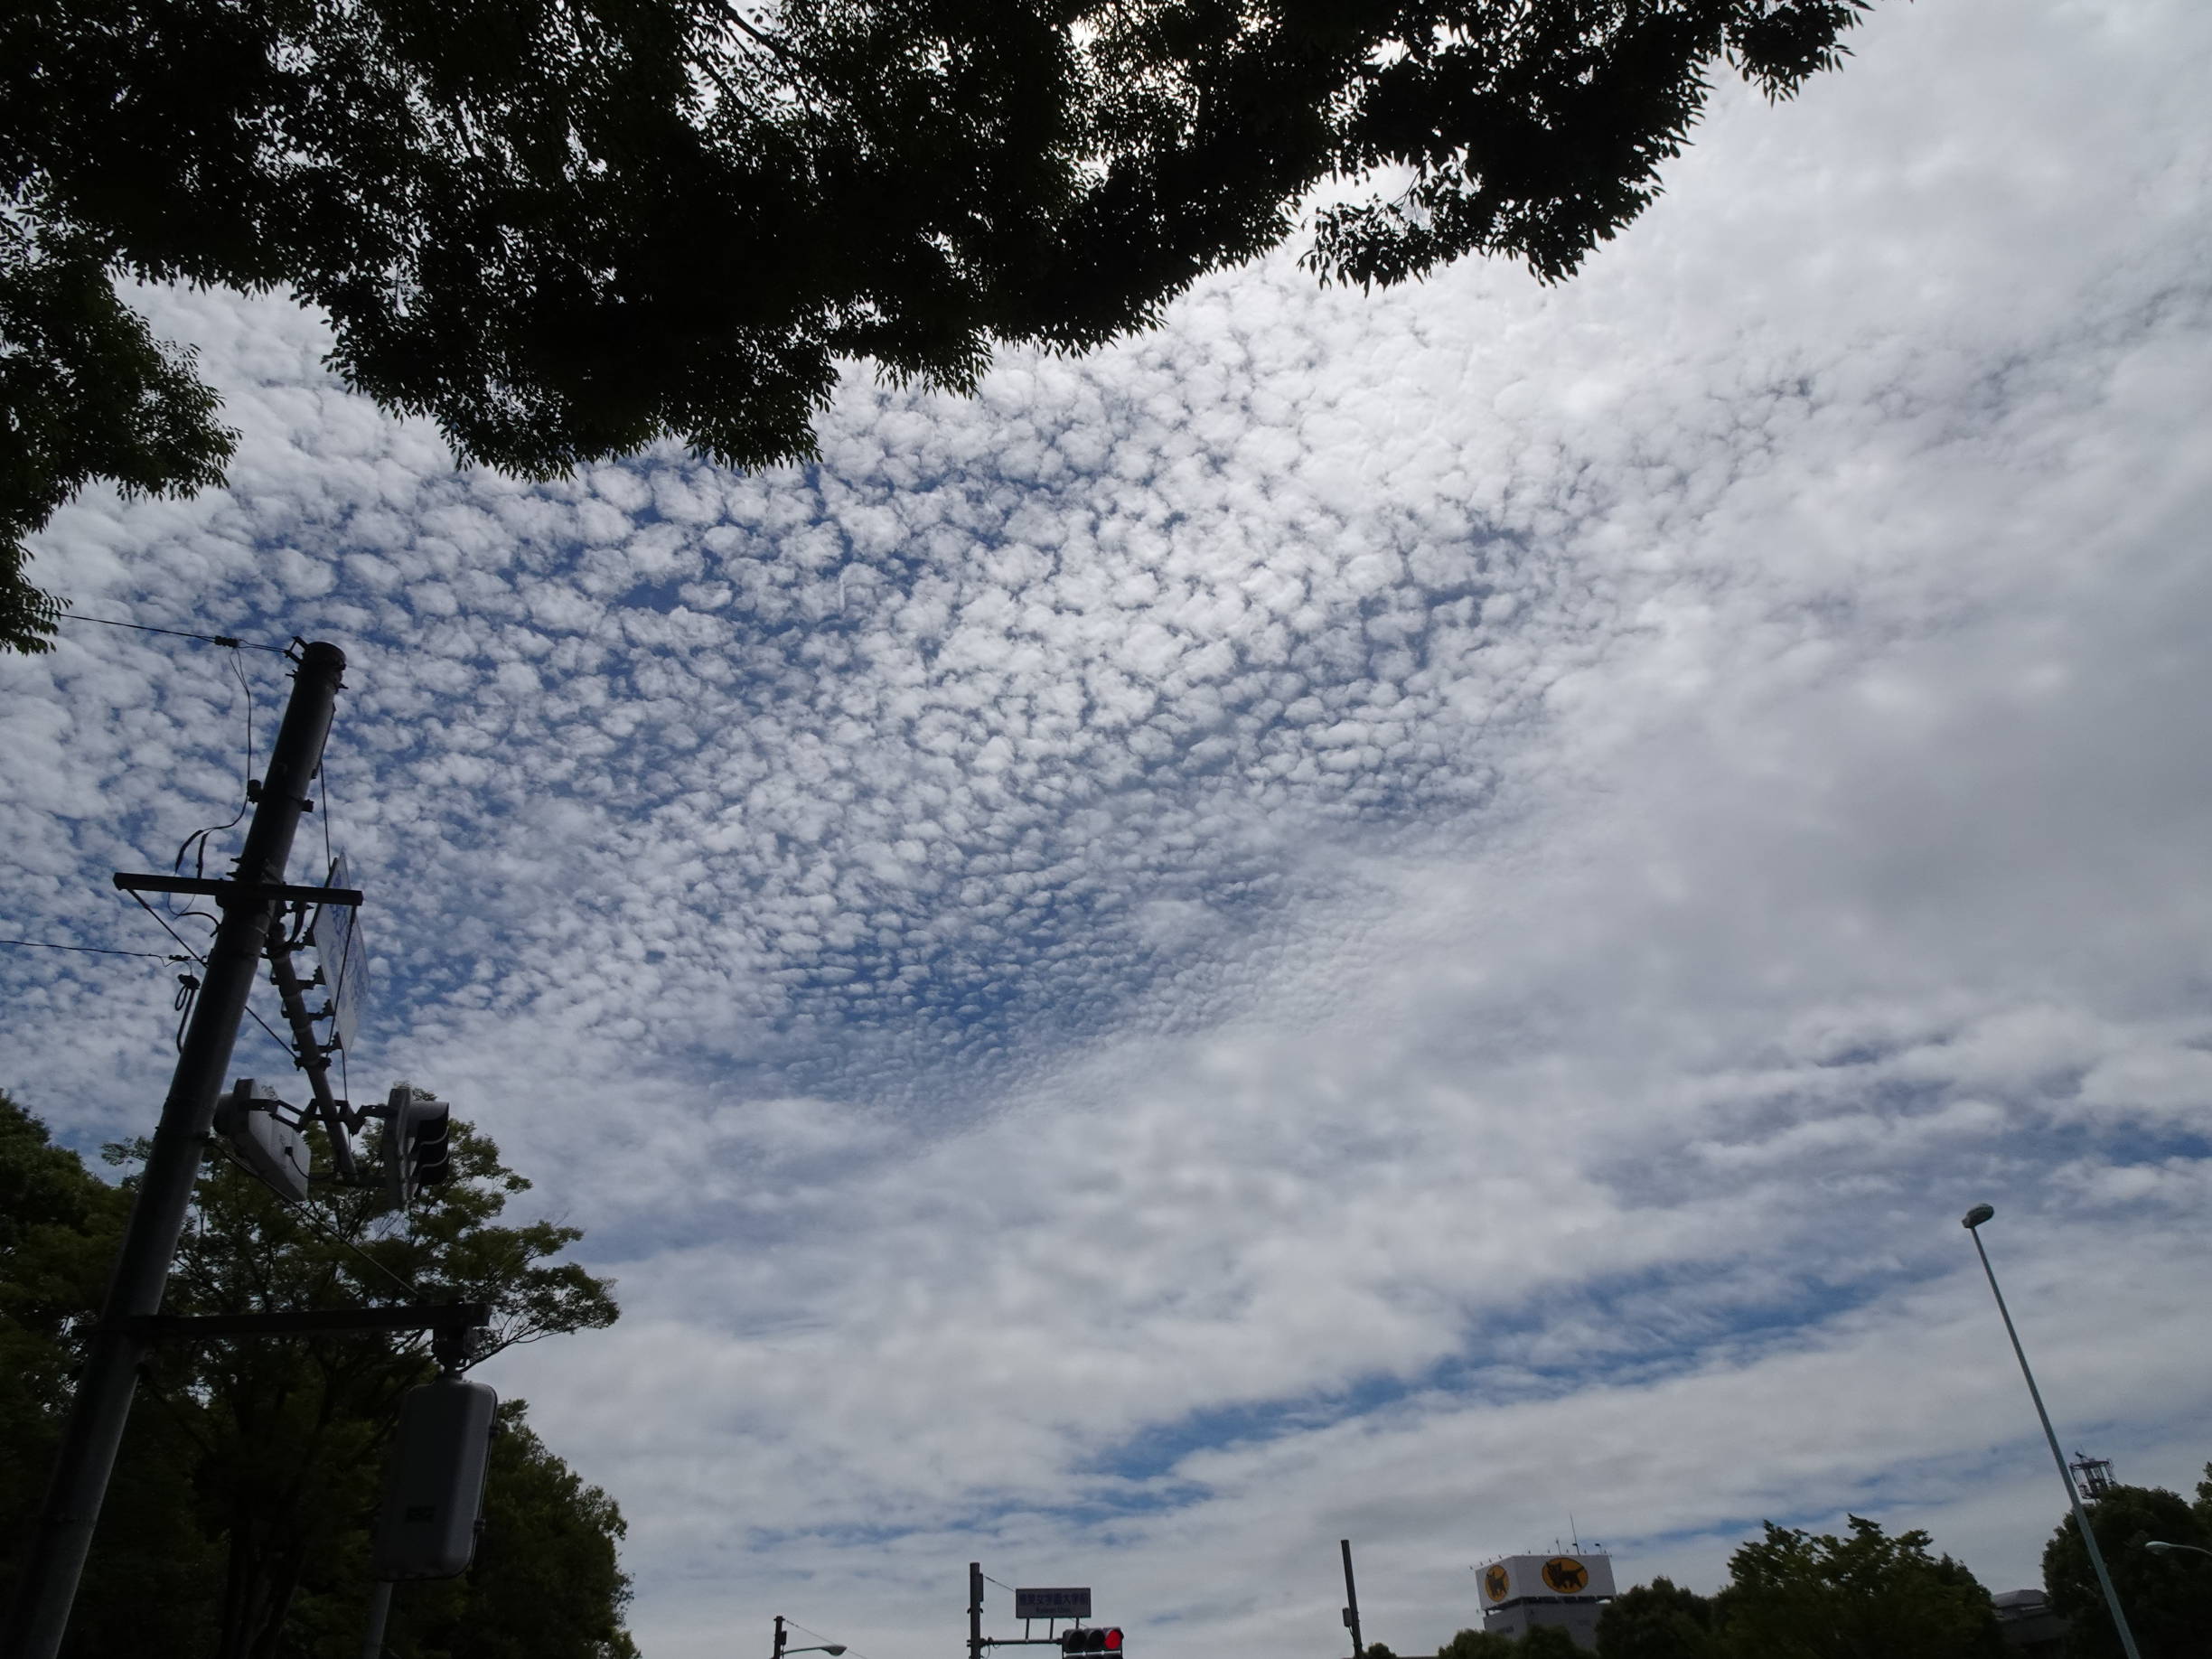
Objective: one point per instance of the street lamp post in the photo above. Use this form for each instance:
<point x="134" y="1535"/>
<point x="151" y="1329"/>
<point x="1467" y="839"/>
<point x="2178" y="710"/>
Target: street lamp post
<point x="1972" y="1224"/>
<point x="832" y="1648"/>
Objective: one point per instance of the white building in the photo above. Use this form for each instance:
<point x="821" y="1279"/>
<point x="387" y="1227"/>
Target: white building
<point x="1568" y="1590"/>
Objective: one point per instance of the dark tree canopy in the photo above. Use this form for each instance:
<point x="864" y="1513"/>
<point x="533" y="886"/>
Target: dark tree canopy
<point x="1659" y="1620"/>
<point x="2167" y="1596"/>
<point x="237" y="1523"/>
<point x="1795" y="1595"/>
<point x="564" y="232"/>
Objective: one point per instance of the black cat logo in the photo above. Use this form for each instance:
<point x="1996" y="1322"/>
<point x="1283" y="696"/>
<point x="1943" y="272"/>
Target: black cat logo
<point x="1565" y="1575"/>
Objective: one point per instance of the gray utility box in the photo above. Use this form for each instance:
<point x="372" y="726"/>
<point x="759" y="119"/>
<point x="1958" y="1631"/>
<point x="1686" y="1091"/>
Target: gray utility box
<point x="434" y="1486"/>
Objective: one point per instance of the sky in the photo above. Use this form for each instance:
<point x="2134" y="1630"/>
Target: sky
<point x="1407" y="917"/>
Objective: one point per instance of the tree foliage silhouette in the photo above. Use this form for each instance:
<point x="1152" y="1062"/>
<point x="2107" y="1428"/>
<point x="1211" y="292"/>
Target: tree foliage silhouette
<point x="2167" y="1597"/>
<point x="564" y="232"/>
<point x="238" y="1520"/>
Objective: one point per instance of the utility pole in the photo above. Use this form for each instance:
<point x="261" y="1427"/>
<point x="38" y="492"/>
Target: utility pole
<point x="249" y="901"/>
<point x="779" y="1638"/>
<point x="1351" y="1613"/>
<point x="975" y="1610"/>
<point x="380" y="1610"/>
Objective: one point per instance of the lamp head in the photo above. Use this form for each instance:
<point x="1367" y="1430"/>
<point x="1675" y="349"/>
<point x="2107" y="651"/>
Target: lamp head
<point x="2161" y="1545"/>
<point x="1976" y="1217"/>
<point x="834" y="1649"/>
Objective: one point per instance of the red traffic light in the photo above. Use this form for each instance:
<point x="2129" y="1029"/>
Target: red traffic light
<point x="1112" y="1635"/>
<point x="1100" y="1639"/>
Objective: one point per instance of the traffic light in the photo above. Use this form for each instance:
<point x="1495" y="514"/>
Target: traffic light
<point x="415" y="1153"/>
<point x="1100" y="1639"/>
<point x="434" y="1486"/>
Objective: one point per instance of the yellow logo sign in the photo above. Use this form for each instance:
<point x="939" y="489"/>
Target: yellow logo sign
<point x="1566" y="1575"/>
<point x="1496" y="1582"/>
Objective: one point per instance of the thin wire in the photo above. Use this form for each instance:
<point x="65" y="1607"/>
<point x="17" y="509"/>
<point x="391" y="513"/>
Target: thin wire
<point x="316" y="1221"/>
<point x="818" y="1636"/>
<point x="283" y="1042"/>
<point x="187" y="987"/>
<point x="185" y="998"/>
<point x="209" y="639"/>
<point x="170" y="930"/>
<point x="40" y="944"/>
<point x="201" y="835"/>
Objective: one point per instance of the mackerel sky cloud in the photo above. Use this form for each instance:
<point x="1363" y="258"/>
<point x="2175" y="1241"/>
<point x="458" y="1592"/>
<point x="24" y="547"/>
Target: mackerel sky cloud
<point x="1395" y="916"/>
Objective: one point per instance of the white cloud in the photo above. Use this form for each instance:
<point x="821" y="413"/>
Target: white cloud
<point x="1385" y="915"/>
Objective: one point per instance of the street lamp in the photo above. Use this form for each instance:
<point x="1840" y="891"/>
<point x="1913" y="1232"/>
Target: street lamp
<point x="2163" y="1547"/>
<point x="832" y="1648"/>
<point x="1972" y="1224"/>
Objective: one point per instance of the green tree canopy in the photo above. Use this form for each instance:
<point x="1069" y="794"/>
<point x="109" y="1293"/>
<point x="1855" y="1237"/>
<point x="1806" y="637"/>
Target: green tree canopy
<point x="1659" y="1620"/>
<point x="1795" y="1594"/>
<point x="1480" y="1644"/>
<point x="566" y="232"/>
<point x="1544" y="1642"/>
<point x="238" y="1522"/>
<point x="2167" y="1597"/>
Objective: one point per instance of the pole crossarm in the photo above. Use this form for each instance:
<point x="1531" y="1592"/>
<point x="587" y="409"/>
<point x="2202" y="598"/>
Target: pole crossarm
<point x="239" y="892"/>
<point x="310" y="1322"/>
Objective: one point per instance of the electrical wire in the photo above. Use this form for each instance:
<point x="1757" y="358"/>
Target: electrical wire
<point x="320" y="1225"/>
<point x="187" y="987"/>
<point x="246" y="795"/>
<point x="208" y="639"/>
<point x="854" y="1652"/>
<point x="40" y="944"/>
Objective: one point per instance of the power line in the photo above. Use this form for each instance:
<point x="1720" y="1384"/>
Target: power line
<point x="208" y="639"/>
<point x="40" y="944"/>
<point x="323" y="1227"/>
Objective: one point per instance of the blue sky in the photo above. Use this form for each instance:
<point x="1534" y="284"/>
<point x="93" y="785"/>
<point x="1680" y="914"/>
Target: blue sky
<point x="1393" y="917"/>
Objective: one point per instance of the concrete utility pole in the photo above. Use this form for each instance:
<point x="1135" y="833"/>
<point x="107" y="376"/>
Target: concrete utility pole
<point x="975" y="1610"/>
<point x="249" y="901"/>
<point x="1352" y="1603"/>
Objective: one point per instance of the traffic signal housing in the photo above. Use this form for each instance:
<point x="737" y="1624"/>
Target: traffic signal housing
<point x="263" y="1141"/>
<point x="1099" y="1639"/>
<point x="416" y="1151"/>
<point x="425" y="1526"/>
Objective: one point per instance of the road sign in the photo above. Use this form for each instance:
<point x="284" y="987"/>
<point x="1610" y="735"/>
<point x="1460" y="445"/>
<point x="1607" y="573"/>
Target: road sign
<point x="1053" y="1603"/>
<point x="336" y="934"/>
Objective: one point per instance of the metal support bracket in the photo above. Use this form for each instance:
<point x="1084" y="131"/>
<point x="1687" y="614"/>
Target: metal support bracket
<point x="239" y="892"/>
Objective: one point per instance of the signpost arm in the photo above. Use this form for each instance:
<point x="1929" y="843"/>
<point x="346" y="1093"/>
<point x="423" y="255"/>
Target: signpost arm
<point x="313" y="1058"/>
<point x="55" y="1557"/>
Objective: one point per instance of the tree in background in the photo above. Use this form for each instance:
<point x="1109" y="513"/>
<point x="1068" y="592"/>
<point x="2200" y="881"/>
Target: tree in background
<point x="1794" y="1594"/>
<point x="2168" y="1598"/>
<point x="237" y="1523"/>
<point x="1658" y="1620"/>
<point x="60" y="1226"/>
<point x="565" y="232"/>
<point x="1480" y="1644"/>
<point x="1544" y="1642"/>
